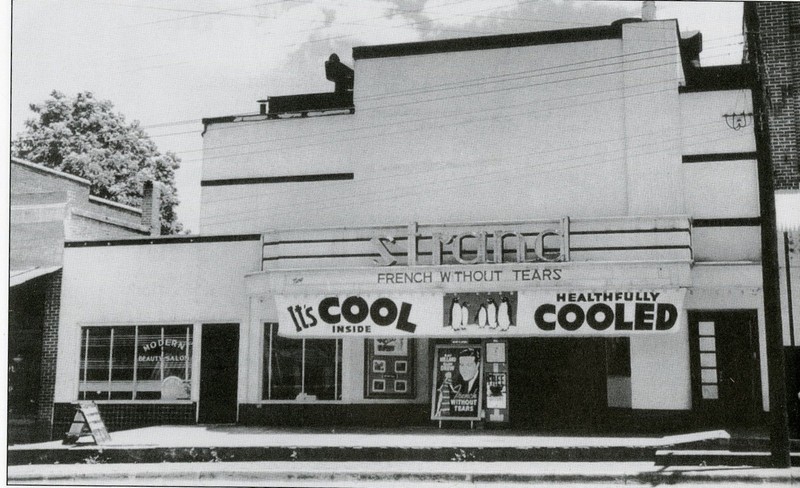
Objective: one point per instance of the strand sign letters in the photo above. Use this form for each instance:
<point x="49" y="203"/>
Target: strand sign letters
<point x="484" y="246"/>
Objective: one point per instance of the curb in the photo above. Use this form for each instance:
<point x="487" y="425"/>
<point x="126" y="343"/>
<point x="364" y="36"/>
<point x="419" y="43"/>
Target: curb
<point x="114" y="455"/>
<point x="258" y="473"/>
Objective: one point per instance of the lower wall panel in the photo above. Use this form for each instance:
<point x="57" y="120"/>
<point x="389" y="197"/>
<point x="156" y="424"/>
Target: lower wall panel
<point x="128" y="416"/>
<point x="366" y="415"/>
<point x="122" y="416"/>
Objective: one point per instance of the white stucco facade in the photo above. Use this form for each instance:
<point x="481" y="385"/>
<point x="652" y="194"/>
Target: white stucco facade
<point x="605" y="130"/>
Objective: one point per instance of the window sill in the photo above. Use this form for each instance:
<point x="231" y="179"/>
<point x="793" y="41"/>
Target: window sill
<point x="297" y="402"/>
<point x="138" y="402"/>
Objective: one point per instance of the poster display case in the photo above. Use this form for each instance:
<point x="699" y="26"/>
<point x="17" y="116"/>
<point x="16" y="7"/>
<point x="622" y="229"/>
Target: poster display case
<point x="389" y="368"/>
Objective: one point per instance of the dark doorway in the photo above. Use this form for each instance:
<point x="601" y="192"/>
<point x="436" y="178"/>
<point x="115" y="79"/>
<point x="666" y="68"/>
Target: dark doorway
<point x="557" y="384"/>
<point x="219" y="373"/>
<point x="726" y="387"/>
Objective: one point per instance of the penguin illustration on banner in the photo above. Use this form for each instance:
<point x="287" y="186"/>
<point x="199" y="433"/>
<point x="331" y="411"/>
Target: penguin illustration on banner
<point x="455" y="314"/>
<point x="464" y="315"/>
<point x="504" y="314"/>
<point x="482" y="317"/>
<point x="491" y="311"/>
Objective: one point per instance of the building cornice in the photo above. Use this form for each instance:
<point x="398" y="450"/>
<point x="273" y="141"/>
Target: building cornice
<point x="501" y="41"/>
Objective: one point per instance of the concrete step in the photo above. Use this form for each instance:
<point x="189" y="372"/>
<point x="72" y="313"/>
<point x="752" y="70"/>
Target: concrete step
<point x="89" y="454"/>
<point x="716" y="457"/>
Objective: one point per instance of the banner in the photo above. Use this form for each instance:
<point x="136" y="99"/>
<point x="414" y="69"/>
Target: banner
<point x="359" y="315"/>
<point x="552" y="312"/>
<point x="602" y="312"/>
<point x="457" y="382"/>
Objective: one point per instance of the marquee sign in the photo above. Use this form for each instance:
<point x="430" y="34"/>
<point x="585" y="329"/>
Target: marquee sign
<point x="549" y="312"/>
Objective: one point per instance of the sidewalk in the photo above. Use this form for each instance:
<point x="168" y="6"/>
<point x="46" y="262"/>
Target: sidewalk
<point x="256" y="436"/>
<point x="231" y="443"/>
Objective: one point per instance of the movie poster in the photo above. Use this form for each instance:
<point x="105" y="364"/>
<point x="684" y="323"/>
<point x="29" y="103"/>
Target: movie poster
<point x="457" y="382"/>
<point x="496" y="391"/>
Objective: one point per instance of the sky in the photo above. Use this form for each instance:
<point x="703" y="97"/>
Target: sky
<point x="170" y="63"/>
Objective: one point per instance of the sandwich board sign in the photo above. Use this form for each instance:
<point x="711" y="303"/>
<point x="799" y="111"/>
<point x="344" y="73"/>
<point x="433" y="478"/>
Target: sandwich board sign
<point x="87" y="421"/>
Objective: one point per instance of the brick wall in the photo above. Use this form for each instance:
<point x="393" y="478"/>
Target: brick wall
<point x="778" y="32"/>
<point x="123" y="416"/>
<point x="37" y="244"/>
<point x="83" y="228"/>
<point x="104" y="209"/>
<point x="34" y="192"/>
<point x="52" y="306"/>
<point x="28" y="179"/>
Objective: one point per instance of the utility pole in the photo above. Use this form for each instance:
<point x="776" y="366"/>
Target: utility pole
<point x="776" y="373"/>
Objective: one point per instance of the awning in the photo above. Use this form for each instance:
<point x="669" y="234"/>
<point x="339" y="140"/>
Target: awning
<point x="20" y="276"/>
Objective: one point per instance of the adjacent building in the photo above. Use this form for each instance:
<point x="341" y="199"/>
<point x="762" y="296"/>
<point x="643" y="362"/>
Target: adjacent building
<point x="48" y="208"/>
<point x="773" y="49"/>
<point x="536" y="231"/>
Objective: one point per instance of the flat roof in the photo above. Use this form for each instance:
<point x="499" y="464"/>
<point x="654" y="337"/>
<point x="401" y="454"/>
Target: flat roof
<point x="581" y="34"/>
<point x="50" y="171"/>
<point x="20" y="276"/>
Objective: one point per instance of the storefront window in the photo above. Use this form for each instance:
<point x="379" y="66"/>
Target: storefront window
<point x="296" y="369"/>
<point x="136" y="363"/>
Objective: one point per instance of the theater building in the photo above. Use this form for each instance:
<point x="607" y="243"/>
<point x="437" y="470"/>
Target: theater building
<point x="549" y="230"/>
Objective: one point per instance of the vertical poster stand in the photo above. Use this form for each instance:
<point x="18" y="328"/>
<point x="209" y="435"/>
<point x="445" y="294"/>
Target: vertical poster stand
<point x="87" y="421"/>
<point x="457" y="386"/>
<point x="496" y="378"/>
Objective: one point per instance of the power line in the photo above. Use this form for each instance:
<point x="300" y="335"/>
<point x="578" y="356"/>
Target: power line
<point x="426" y="119"/>
<point x="498" y="78"/>
<point x="409" y="24"/>
<point x="461" y="83"/>
<point x="418" y="129"/>
<point x="441" y="166"/>
<point x="427" y="128"/>
<point x="196" y="13"/>
<point x="326" y="204"/>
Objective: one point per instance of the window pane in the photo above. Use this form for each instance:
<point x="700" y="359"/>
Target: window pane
<point x="122" y="359"/>
<point x="707" y="344"/>
<point x="708" y="375"/>
<point x="177" y="354"/>
<point x="148" y="395"/>
<point x="287" y="357"/>
<point x="710" y="392"/>
<point x="177" y="351"/>
<point x="98" y="353"/>
<point x="148" y="354"/>
<point x="321" y="362"/>
<point x="706" y="328"/>
<point x="95" y="395"/>
<point x="708" y="360"/>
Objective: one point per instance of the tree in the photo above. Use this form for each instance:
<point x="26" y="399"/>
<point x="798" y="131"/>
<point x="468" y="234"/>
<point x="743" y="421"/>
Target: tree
<point x="84" y="137"/>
